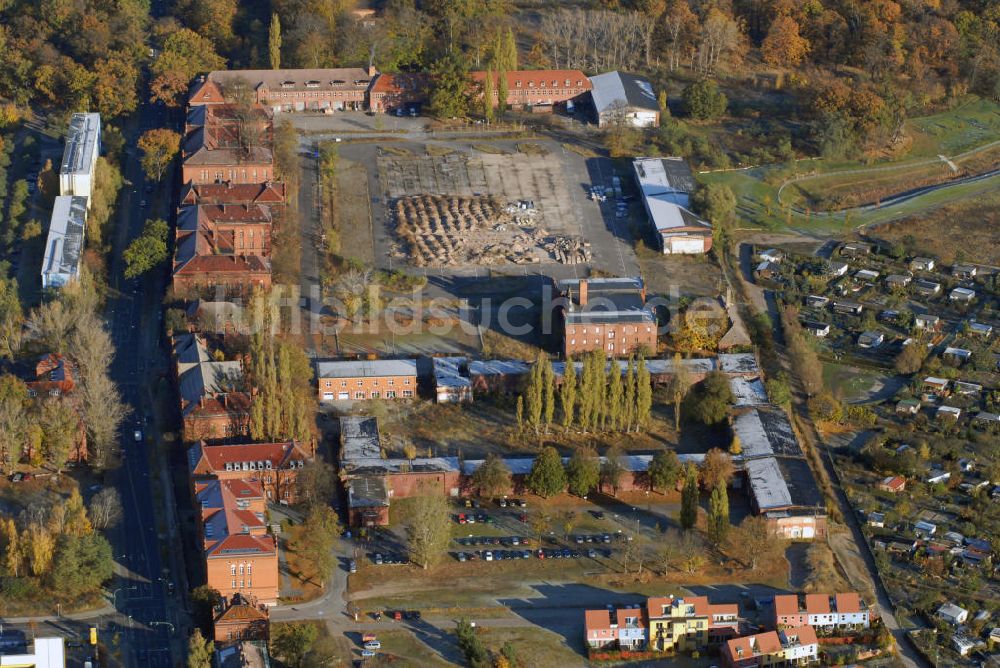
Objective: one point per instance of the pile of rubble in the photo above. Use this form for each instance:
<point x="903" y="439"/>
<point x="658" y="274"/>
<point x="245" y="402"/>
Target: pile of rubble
<point x="445" y="231"/>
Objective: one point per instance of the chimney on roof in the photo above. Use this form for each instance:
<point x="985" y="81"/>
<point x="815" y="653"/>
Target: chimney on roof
<point x="583" y="292"/>
<point x="372" y="71"/>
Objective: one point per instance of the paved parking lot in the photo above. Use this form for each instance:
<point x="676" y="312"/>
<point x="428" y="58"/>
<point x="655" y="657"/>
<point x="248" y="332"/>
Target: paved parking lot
<point x="568" y="174"/>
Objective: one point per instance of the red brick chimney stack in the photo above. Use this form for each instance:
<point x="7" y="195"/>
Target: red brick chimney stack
<point x="583" y="292"/>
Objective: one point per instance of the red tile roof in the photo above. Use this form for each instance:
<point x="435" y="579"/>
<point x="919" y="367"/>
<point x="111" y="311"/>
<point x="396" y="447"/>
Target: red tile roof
<point x="241" y="612"/>
<point x="786" y="604"/>
<point x="206" y="92"/>
<point x="804" y="635"/>
<point x="597" y="620"/>
<point x="399" y="83"/>
<point x="818" y="604"/>
<point x="233" y="193"/>
<point x="761" y="643"/>
<point x="848" y="602"/>
<point x="541" y="79"/>
<point x="215" y="457"/>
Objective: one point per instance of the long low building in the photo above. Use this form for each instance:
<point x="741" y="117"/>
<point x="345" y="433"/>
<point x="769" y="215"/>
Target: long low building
<point x="291" y="90"/>
<point x="366" y="379"/>
<point x="64" y="244"/>
<point x="667" y="185"/>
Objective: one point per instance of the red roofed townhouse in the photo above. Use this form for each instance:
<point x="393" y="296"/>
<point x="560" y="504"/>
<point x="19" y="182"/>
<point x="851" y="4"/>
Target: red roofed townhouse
<point x="269" y="192"/>
<point x="689" y="623"/>
<point x="214" y="399"/>
<point x="633" y="630"/>
<point x="539" y="89"/>
<point x="402" y="91"/>
<point x="241" y="620"/>
<point x="275" y="465"/>
<point x="823" y="611"/>
<point x="240" y="556"/>
<point x="600" y="631"/>
<point x="790" y="647"/>
<point x="892" y="484"/>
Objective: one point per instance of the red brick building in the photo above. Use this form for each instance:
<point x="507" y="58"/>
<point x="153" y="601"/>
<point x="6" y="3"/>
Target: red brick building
<point x="54" y="375"/>
<point x="274" y="465"/>
<point x="290" y="90"/>
<point x="214" y="399"/>
<point x="527" y="89"/>
<point x="398" y="91"/>
<point x="240" y="620"/>
<point x="269" y="193"/>
<point x="223" y="143"/>
<point x="238" y="229"/>
<point x="241" y="557"/>
<point x="607" y="314"/>
<point x="366" y="379"/>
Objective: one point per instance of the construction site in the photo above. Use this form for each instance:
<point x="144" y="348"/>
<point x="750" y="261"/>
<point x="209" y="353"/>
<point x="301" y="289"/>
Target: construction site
<point x="467" y="209"/>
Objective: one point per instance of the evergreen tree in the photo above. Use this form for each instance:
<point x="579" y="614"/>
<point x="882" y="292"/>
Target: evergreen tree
<point x="520" y="413"/>
<point x="492" y="478"/>
<point x="718" y="514"/>
<point x="549" y="392"/>
<point x="599" y="389"/>
<point x="274" y="42"/>
<point x="489" y="92"/>
<point x="644" y="394"/>
<point x="567" y="393"/>
<point x="664" y="470"/>
<point x="583" y="471"/>
<point x="502" y="92"/>
<point x="628" y="405"/>
<point x="587" y="381"/>
<point x="616" y="397"/>
<point x="689" y="498"/>
<point x="547" y="477"/>
<point x="613" y="468"/>
<point x="200" y="651"/>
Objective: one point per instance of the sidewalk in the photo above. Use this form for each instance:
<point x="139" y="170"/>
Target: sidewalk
<point x="75" y="616"/>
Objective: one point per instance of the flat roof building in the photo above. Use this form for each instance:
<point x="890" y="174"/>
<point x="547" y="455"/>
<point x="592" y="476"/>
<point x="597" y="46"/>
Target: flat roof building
<point x="79" y="161"/>
<point x="366" y="379"/>
<point x="46" y="653"/>
<point x="64" y="244"/>
<point x="666" y="185"/>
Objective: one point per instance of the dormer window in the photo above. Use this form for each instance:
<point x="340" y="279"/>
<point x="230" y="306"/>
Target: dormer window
<point x="267" y="465"/>
<point x="531" y="84"/>
<point x="517" y="84"/>
<point x="229" y="466"/>
<point x="287" y="84"/>
<point x="253" y="466"/>
<point x="566" y="83"/>
<point x="312" y="84"/>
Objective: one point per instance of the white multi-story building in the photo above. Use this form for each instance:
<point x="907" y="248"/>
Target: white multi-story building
<point x="64" y="244"/>
<point x="83" y="145"/>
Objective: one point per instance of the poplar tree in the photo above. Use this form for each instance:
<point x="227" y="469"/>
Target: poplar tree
<point x="510" y="50"/>
<point x="567" y="393"/>
<point x="520" y="413"/>
<point x="680" y="383"/>
<point x="599" y="388"/>
<point x="628" y="406"/>
<point x="689" y="498"/>
<point x="274" y="42"/>
<point x="533" y="398"/>
<point x="489" y="90"/>
<point x="616" y="397"/>
<point x="718" y="514"/>
<point x="549" y="390"/>
<point x="502" y="92"/>
<point x="644" y="394"/>
<point x="587" y="393"/>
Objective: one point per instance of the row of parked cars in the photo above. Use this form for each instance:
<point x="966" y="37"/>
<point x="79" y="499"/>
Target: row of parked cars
<point x="389" y="559"/>
<point x="472" y="518"/>
<point x="513" y="541"/>
<point x="542" y="553"/>
<point x="580" y="539"/>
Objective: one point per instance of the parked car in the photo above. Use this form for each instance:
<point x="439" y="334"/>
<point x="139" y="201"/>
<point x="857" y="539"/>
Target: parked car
<point x="462" y="557"/>
<point x="592" y="553"/>
<point x="488" y="556"/>
<point x="373" y="644"/>
<point x="378" y="559"/>
<point x="352" y="566"/>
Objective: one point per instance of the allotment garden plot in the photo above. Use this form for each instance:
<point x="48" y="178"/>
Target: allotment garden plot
<point x="466" y="210"/>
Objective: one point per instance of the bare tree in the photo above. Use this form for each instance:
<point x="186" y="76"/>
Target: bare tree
<point x="105" y="508"/>
<point x="722" y="41"/>
<point x="103" y="412"/>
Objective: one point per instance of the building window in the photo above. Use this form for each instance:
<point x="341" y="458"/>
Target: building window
<point x="611" y="346"/>
<point x="328" y="384"/>
<point x="232" y="569"/>
<point x="376" y="394"/>
<point x="391" y="381"/>
<point x="406" y="381"/>
<point x="343" y="383"/>
<point x="611" y="334"/>
<point x="572" y="342"/>
<point x="359" y="395"/>
<point x="361" y="383"/>
<point x="241" y="569"/>
<point x="407" y="393"/>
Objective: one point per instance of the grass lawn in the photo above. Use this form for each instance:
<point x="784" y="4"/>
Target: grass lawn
<point x="400" y="648"/>
<point x="534" y="646"/>
<point x="848" y="382"/>
<point x="971" y="125"/>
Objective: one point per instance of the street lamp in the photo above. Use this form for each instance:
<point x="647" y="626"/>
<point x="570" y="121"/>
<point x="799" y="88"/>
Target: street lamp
<point x="115" y="594"/>
<point x="163" y="624"/>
